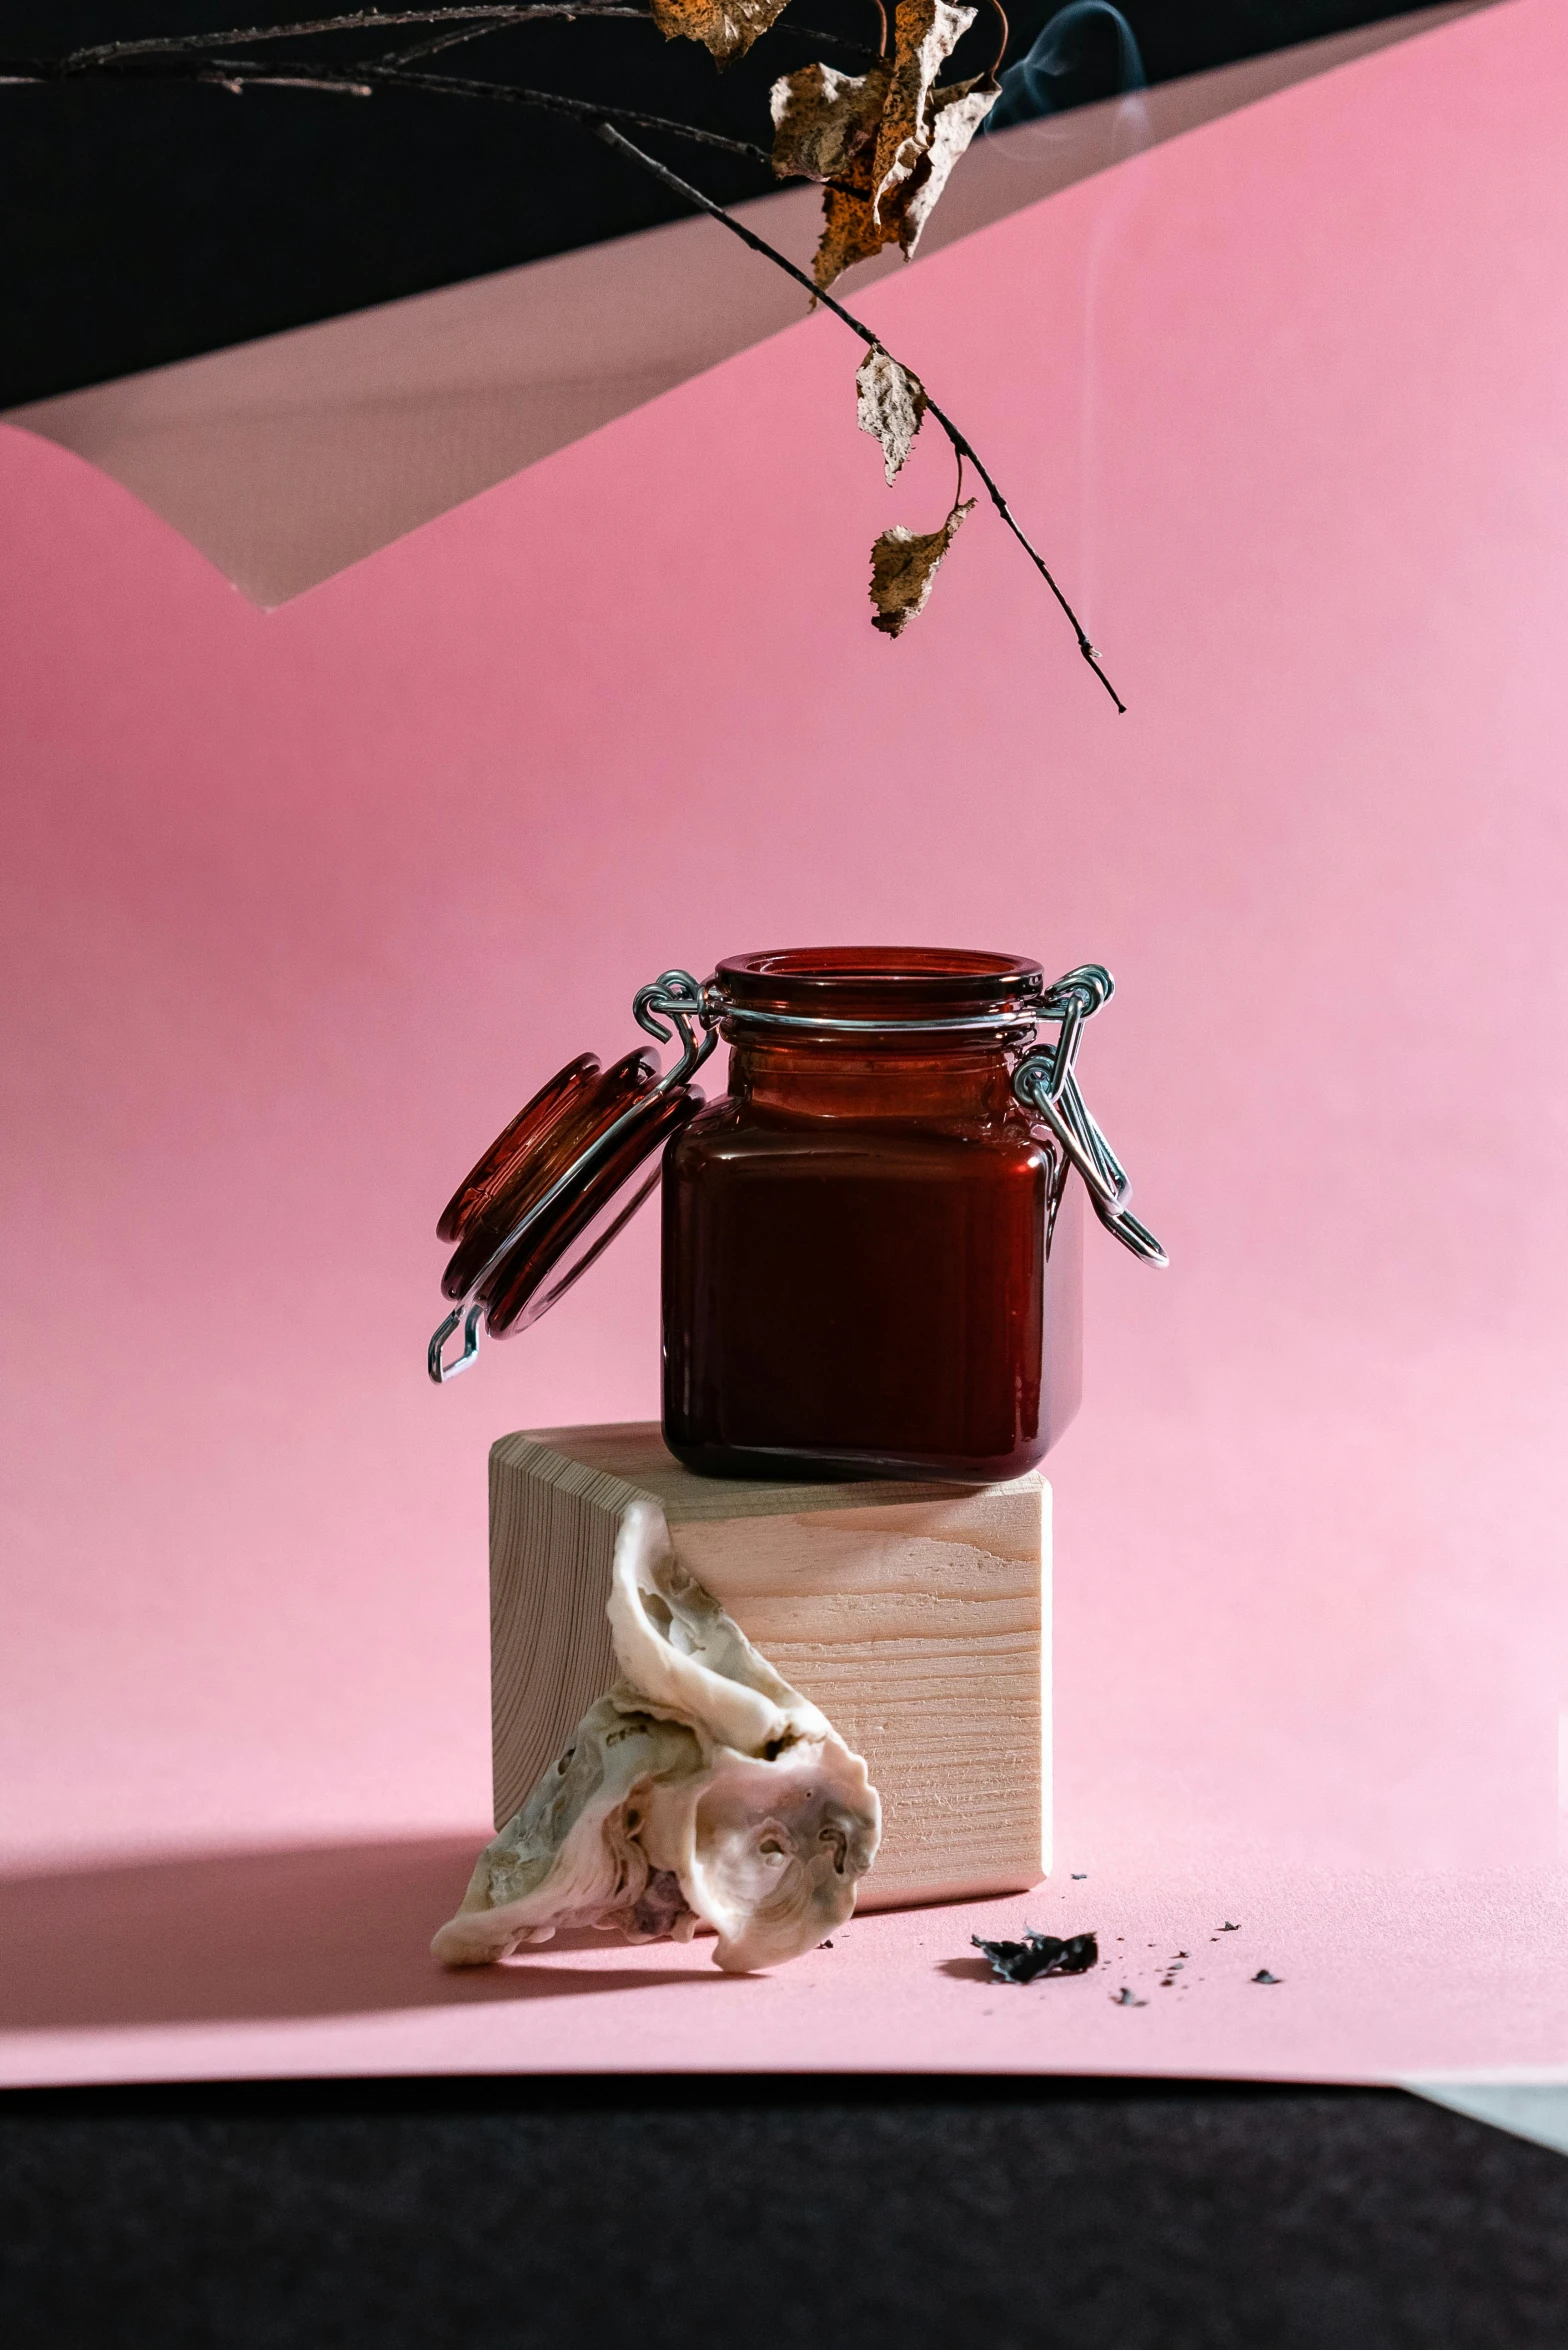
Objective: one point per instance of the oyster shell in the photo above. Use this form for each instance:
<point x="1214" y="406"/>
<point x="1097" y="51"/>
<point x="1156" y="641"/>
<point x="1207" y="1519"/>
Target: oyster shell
<point x="701" y="1790"/>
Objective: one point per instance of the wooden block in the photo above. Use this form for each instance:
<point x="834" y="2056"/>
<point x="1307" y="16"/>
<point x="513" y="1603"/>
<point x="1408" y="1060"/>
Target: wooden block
<point x="915" y="1615"/>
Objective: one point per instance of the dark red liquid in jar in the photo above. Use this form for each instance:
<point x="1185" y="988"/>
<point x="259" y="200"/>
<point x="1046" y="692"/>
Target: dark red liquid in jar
<point x="862" y="1272"/>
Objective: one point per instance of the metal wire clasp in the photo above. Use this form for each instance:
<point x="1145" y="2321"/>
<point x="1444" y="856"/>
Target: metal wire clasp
<point x="1044" y="1083"/>
<point x="668" y="1006"/>
<point x="435" y="1360"/>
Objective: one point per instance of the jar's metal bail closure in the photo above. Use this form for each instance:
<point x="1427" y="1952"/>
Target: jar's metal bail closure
<point x="556" y="1187"/>
<point x="1044" y="1082"/>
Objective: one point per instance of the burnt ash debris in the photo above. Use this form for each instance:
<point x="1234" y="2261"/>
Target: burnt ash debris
<point x="1039" y="1955"/>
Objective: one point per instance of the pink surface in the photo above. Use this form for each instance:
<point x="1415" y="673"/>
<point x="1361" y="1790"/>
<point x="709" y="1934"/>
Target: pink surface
<point x="313" y="1963"/>
<point x="301" y="907"/>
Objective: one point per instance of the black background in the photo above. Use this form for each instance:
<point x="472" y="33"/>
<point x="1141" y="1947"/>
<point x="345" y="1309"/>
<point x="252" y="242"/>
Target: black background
<point x="140" y="224"/>
<point x="773" y="2215"/>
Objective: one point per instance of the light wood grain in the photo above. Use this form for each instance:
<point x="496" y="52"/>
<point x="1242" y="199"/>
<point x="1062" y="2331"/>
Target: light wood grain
<point x="916" y="1616"/>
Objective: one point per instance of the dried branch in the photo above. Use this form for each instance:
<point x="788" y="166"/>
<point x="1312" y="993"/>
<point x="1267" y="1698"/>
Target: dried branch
<point x="963" y="447"/>
<point x="361" y="20"/>
<point x="486" y="17"/>
<point x="207" y="58"/>
<point x="466" y="33"/>
<point x="236" y="74"/>
<point x="587" y="111"/>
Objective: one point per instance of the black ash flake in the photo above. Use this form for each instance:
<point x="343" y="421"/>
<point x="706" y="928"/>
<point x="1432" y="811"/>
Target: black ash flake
<point x="1039" y="1955"/>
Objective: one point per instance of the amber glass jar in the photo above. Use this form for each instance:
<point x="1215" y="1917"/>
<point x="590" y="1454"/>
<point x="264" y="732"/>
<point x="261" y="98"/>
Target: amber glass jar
<point x="871" y="1246"/>
<point x="872" y="1263"/>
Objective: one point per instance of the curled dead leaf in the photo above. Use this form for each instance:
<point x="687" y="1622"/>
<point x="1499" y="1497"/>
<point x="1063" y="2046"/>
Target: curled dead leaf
<point x="851" y="232"/>
<point x="903" y="565"/>
<point x="890" y="401"/>
<point x="825" y="122"/>
<point x="883" y="141"/>
<point x="957" y="115"/>
<point x="925" y="33"/>
<point x="825" y="127"/>
<point x="726" y="28"/>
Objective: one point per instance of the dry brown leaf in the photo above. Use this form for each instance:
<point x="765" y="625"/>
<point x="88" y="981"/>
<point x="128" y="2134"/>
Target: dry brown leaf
<point x="726" y="28"/>
<point x="884" y="141"/>
<point x="890" y="402"/>
<point x="825" y="122"/>
<point x="903" y="565"/>
<point x="851" y="232"/>
<point x="825" y="127"/>
<point x="956" y="116"/>
<point x="924" y="34"/>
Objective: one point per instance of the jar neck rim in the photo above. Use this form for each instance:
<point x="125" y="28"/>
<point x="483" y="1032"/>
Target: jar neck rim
<point x="857" y="994"/>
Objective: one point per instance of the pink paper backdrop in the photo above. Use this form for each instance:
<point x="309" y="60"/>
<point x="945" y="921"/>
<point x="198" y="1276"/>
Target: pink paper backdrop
<point x="300" y="907"/>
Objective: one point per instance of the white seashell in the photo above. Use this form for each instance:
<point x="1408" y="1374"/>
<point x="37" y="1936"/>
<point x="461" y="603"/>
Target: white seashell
<point x="702" y="1790"/>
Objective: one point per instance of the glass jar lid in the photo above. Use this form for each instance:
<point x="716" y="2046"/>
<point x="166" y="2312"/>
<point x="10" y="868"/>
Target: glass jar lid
<point x="558" y="1184"/>
<point x="578" y="1145"/>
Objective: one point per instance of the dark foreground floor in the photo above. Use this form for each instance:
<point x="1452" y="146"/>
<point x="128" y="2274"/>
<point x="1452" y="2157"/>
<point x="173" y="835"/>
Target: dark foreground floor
<point x="488" y="2214"/>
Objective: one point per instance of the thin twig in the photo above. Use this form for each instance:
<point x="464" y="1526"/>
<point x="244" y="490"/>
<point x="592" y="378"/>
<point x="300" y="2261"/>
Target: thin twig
<point x="483" y="15"/>
<point x="583" y="110"/>
<point x="237" y="81"/>
<point x="483" y="32"/>
<point x="360" y="81"/>
<point x="966" y="448"/>
<point x="458" y="38"/>
<point x="361" y="20"/>
<point x="814" y="34"/>
<point x="605" y="130"/>
<point x="464" y="34"/>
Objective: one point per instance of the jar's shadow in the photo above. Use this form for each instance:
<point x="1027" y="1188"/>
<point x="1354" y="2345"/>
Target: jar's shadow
<point x="241" y="1936"/>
